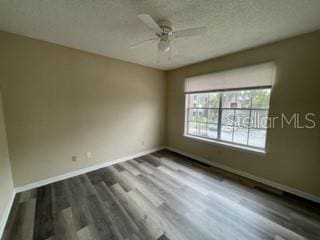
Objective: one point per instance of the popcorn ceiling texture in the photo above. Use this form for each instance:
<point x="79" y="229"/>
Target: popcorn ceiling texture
<point x="108" y="27"/>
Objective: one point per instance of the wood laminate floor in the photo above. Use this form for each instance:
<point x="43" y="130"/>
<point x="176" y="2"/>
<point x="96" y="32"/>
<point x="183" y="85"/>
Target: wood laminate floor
<point x="159" y="196"/>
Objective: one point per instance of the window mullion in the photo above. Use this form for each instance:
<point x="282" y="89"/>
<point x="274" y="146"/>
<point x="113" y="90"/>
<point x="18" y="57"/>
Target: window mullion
<point x="188" y="109"/>
<point x="219" y="117"/>
<point x="248" y="136"/>
<point x="234" y="116"/>
<point x="233" y="125"/>
<point x="249" y="127"/>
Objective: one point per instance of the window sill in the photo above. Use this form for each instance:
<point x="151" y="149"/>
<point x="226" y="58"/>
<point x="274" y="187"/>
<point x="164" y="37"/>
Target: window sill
<point x="260" y="152"/>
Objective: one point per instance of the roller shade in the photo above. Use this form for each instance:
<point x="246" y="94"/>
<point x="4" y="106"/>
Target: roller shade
<point x="246" y="77"/>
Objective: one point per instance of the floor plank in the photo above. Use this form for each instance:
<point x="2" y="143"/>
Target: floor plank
<point x="160" y="196"/>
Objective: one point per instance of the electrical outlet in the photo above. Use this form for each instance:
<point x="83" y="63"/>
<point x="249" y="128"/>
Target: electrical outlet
<point x="74" y="158"/>
<point x="88" y="155"/>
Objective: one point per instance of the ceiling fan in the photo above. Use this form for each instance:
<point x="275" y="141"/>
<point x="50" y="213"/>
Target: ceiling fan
<point x="164" y="34"/>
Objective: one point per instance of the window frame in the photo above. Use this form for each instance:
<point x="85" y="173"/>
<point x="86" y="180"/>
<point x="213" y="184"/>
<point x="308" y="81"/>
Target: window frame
<point x="219" y="124"/>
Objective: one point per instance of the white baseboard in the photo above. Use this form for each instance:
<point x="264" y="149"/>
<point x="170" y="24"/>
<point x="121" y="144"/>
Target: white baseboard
<point x="250" y="176"/>
<point x="6" y="213"/>
<point x="82" y="171"/>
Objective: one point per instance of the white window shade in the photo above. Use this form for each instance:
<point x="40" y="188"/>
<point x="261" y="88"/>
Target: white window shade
<point x="260" y="75"/>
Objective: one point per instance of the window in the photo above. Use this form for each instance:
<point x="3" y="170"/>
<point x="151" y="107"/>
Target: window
<point x="232" y="115"/>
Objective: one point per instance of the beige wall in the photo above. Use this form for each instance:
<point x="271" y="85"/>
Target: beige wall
<point x="293" y="155"/>
<point x="61" y="102"/>
<point x="6" y="184"/>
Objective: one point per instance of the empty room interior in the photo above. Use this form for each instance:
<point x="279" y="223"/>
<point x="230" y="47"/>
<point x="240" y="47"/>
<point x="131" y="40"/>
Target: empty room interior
<point x="159" y="120"/>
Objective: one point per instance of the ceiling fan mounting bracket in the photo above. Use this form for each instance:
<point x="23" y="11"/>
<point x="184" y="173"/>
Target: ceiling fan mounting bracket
<point x="165" y="23"/>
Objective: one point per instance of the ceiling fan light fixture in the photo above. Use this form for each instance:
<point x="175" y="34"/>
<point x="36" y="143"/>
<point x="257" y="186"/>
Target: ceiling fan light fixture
<point x="164" y="45"/>
<point x="165" y="34"/>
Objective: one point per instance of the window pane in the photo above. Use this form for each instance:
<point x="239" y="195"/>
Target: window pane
<point x="242" y="118"/>
<point x="213" y="116"/>
<point x="257" y="137"/>
<point x="260" y="98"/>
<point x="192" y="100"/>
<point x="203" y="99"/>
<point x="240" y="135"/>
<point x="202" y="129"/>
<point x="192" y="128"/>
<point x="226" y="133"/>
<point x="227" y="117"/>
<point x="192" y="115"/>
<point x="244" y="99"/>
<point x="212" y="131"/>
<point x="202" y="115"/>
<point x="259" y="119"/>
<point x="214" y="99"/>
<point x="229" y="99"/>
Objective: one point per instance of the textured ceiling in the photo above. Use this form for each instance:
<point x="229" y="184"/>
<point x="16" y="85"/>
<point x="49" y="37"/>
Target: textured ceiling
<point x="108" y="27"/>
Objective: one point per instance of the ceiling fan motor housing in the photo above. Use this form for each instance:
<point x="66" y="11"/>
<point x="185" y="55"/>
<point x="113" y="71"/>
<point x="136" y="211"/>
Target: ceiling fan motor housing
<point x="165" y="35"/>
<point x="166" y="28"/>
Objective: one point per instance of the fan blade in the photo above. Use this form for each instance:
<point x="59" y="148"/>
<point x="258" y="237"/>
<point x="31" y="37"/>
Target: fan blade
<point x="138" y="44"/>
<point x="150" y="22"/>
<point x="190" y="32"/>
